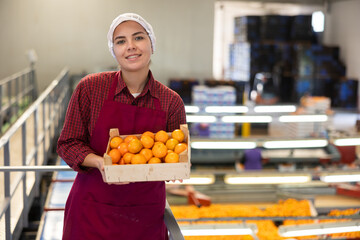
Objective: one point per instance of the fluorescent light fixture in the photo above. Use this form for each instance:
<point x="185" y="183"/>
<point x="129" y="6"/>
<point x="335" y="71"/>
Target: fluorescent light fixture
<point x="347" y="142"/>
<point x="222" y="145"/>
<point x="246" y="119"/>
<point x="200" y="119"/>
<point x="261" y="179"/>
<point x="319" y="229"/>
<point x="303" y="118"/>
<point x="218" y="229"/>
<point x="341" y="177"/>
<point x="275" y="109"/>
<point x="192" y="109"/>
<point x="296" y="144"/>
<point x="197" y="180"/>
<point x="226" y="109"/>
<point x="318" y="21"/>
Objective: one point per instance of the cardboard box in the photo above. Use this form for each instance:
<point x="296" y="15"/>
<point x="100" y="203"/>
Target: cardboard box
<point x="148" y="172"/>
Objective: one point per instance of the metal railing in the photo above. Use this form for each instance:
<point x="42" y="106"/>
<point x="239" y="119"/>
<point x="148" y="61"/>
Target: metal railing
<point x="28" y="142"/>
<point x="16" y="93"/>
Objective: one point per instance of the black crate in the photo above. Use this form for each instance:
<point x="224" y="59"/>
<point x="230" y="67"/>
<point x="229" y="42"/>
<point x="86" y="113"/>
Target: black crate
<point x="346" y="94"/>
<point x="184" y="88"/>
<point x="247" y="29"/>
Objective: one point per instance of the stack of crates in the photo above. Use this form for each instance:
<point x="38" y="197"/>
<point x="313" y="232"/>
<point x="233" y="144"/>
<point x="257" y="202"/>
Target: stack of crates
<point x="204" y="96"/>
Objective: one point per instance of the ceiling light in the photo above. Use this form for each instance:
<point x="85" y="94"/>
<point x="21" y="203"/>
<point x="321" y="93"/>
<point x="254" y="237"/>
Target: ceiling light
<point x="319" y="229"/>
<point x="246" y="119"/>
<point x="261" y="179"/>
<point x="197" y="180"/>
<point x="295" y="144"/>
<point x="222" y="145"/>
<point x="218" y="229"/>
<point x="200" y="119"/>
<point x="226" y="109"/>
<point x="192" y="109"/>
<point x="332" y="178"/>
<point x="274" y="109"/>
<point x="347" y="142"/>
<point x="303" y="118"/>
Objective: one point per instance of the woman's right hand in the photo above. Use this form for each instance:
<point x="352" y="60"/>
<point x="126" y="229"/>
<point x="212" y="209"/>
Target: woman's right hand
<point x="93" y="160"/>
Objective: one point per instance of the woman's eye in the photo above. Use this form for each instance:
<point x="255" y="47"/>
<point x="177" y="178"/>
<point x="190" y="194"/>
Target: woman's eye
<point x="120" y="42"/>
<point x="139" y="38"/>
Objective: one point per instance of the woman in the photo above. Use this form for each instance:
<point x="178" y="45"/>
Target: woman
<point x="134" y="102"/>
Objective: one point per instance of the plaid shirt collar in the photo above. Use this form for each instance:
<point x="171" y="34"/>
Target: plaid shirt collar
<point x="149" y="87"/>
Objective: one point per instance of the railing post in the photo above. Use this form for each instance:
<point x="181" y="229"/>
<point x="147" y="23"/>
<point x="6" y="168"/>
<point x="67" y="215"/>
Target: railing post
<point x="24" y="178"/>
<point x="17" y="97"/>
<point x="8" y="235"/>
<point x="36" y="145"/>
<point x="1" y="112"/>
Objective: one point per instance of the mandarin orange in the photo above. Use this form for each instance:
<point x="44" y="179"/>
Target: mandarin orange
<point x="172" y="158"/>
<point x="115" y="142"/>
<point x="128" y="138"/>
<point x="115" y="155"/>
<point x="154" y="160"/>
<point x="147" y="141"/>
<point x="123" y="148"/>
<point x="178" y="135"/>
<point x="150" y="134"/>
<point x="161" y="136"/>
<point x="147" y="153"/>
<point x="171" y="143"/>
<point x="138" y="159"/>
<point x="135" y="146"/>
<point x="159" y="150"/>
<point x="127" y="157"/>
<point x="181" y="147"/>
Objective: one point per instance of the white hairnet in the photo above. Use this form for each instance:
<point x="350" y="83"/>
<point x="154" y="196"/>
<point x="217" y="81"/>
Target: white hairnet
<point x="129" y="17"/>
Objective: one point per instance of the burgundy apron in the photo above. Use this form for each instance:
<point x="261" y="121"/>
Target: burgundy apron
<point x="97" y="210"/>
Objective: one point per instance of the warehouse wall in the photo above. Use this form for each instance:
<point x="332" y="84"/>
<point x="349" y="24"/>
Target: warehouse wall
<point x="73" y="33"/>
<point x="342" y="29"/>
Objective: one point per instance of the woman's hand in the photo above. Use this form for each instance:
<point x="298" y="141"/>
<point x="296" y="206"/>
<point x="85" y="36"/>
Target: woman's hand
<point x="95" y="161"/>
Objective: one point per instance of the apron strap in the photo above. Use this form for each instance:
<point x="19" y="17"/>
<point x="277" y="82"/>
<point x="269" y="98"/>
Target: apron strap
<point x="113" y="87"/>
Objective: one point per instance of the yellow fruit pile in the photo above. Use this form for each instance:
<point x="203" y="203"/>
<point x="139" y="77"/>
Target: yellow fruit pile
<point x="267" y="230"/>
<point x="147" y="148"/>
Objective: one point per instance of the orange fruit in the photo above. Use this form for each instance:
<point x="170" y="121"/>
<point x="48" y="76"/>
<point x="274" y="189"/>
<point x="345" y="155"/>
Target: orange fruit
<point x="138" y="159"/>
<point x="127" y="139"/>
<point x="171" y="143"/>
<point x="154" y="160"/>
<point x="123" y="148"/>
<point x="178" y="135"/>
<point x="115" y="155"/>
<point x="180" y="148"/>
<point x="172" y="158"/>
<point x="122" y="161"/>
<point x="161" y="136"/>
<point x="159" y="150"/>
<point x="148" y="133"/>
<point x="115" y="142"/>
<point x="127" y="157"/>
<point x="147" y="153"/>
<point x="147" y="141"/>
<point x="135" y="146"/>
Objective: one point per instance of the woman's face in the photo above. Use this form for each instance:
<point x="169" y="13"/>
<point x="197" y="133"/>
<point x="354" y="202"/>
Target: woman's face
<point x="132" y="46"/>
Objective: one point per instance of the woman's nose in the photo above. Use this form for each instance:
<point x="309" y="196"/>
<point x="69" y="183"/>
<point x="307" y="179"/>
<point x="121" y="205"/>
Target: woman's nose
<point x="131" y="45"/>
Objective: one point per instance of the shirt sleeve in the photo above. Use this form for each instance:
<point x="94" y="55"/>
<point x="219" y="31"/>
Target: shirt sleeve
<point x="74" y="141"/>
<point x="176" y="115"/>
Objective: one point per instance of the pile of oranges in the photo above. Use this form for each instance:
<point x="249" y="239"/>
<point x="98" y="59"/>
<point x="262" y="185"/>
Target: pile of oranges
<point x="149" y="147"/>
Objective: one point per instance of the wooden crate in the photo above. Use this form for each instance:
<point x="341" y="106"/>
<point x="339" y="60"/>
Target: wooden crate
<point x="148" y="172"/>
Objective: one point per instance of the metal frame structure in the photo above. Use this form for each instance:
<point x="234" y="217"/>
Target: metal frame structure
<point x="20" y="188"/>
<point x="15" y="91"/>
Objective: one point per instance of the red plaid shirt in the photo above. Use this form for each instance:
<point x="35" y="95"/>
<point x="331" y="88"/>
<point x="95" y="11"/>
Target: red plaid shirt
<point x="87" y="101"/>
